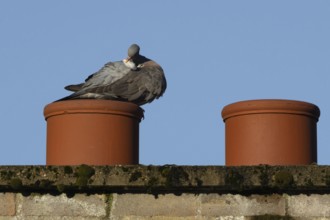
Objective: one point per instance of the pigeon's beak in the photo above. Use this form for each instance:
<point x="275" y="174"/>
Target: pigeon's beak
<point x="127" y="59"/>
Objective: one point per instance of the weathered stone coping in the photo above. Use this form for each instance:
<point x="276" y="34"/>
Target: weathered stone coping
<point x="165" y="179"/>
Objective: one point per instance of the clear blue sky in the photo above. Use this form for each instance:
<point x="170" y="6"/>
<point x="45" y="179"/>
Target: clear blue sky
<point x="213" y="52"/>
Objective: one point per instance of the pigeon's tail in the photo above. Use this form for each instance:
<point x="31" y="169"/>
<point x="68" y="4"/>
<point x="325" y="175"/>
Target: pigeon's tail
<point x="83" y="94"/>
<point x="65" y="98"/>
<point x="75" y="95"/>
<point x="74" y="88"/>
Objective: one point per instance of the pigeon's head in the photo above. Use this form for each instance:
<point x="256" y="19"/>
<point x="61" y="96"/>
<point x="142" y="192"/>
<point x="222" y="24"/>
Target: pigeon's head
<point x="133" y="51"/>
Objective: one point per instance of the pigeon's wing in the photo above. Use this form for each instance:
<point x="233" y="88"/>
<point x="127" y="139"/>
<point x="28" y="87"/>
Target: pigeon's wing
<point x="139" y="87"/>
<point x="109" y="73"/>
<point x="95" y="83"/>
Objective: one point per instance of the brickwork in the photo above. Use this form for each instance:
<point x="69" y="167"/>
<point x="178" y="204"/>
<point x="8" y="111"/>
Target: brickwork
<point x="79" y="205"/>
<point x="7" y="204"/>
<point x="167" y="206"/>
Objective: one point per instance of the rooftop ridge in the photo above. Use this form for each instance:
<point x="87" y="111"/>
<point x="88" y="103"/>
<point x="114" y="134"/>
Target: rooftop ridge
<point x="261" y="179"/>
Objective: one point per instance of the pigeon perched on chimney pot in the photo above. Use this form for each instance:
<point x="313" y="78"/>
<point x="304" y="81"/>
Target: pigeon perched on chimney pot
<point x="135" y="79"/>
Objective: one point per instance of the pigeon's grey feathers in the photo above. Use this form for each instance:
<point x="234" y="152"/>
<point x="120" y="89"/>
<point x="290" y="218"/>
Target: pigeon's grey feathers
<point x="136" y="79"/>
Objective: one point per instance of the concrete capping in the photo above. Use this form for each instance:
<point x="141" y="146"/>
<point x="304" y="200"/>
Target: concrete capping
<point x="261" y="179"/>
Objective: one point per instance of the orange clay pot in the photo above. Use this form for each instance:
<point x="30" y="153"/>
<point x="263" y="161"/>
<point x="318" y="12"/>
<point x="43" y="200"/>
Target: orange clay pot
<point x="274" y="132"/>
<point x="93" y="132"/>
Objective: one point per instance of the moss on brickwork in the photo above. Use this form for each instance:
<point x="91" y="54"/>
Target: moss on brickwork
<point x="284" y="179"/>
<point x="135" y="176"/>
<point x="84" y="173"/>
<point x="151" y="185"/>
<point x="108" y="200"/>
<point x="234" y="179"/>
<point x="6" y="174"/>
<point x="174" y="175"/>
<point x="263" y="176"/>
<point x="61" y="188"/>
<point x="159" y="179"/>
<point x="68" y="170"/>
<point x="44" y="184"/>
<point x="199" y="182"/>
<point x="270" y="217"/>
<point x="16" y="184"/>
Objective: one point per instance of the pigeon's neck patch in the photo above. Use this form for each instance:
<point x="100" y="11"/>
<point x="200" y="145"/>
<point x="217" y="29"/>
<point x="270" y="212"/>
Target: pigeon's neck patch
<point x="130" y="64"/>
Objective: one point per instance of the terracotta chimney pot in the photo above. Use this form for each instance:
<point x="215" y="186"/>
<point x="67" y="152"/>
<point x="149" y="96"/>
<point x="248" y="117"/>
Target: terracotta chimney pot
<point x="270" y="131"/>
<point x="93" y="132"/>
